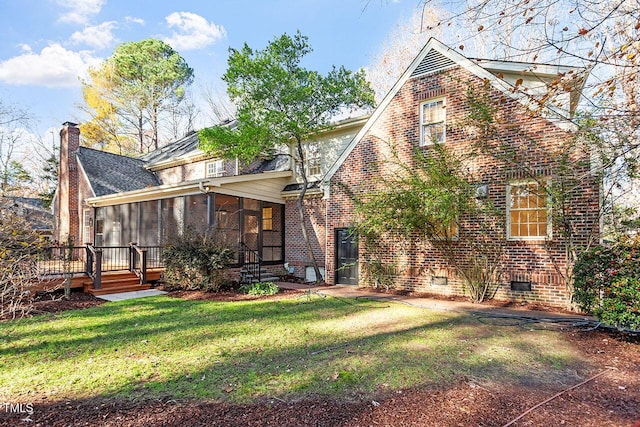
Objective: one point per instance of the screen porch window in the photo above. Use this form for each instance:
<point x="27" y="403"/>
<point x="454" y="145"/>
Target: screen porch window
<point x="432" y="122"/>
<point x="215" y="169"/>
<point x="527" y="211"/>
<point x="267" y="219"/>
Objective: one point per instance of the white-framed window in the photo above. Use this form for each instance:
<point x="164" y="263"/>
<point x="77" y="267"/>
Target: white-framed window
<point x="433" y="127"/>
<point x="528" y="212"/>
<point x="313" y="160"/>
<point x="86" y="226"/>
<point x="215" y="168"/>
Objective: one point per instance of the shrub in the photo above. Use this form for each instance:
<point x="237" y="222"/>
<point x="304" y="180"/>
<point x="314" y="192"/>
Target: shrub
<point x="259" y="288"/>
<point x="19" y="250"/>
<point x="379" y="274"/>
<point x="607" y="283"/>
<point x="620" y="304"/>
<point x="196" y="261"/>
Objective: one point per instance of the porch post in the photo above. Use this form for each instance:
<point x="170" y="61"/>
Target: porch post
<point x="89" y="261"/>
<point x="97" y="282"/>
<point x="144" y="266"/>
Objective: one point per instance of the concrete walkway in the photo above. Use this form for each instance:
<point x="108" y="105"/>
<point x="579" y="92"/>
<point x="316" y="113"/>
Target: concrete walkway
<point x="346" y="291"/>
<point x="131" y="295"/>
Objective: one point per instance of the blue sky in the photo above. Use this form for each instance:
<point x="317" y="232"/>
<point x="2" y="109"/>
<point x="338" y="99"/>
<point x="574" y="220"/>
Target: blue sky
<point x="47" y="45"/>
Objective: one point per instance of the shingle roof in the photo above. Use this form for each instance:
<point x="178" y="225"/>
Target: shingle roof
<point x="280" y="162"/>
<point x="110" y="173"/>
<point x="187" y="144"/>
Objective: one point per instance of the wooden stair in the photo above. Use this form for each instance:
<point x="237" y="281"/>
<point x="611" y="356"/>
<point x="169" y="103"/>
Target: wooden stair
<point x="116" y="282"/>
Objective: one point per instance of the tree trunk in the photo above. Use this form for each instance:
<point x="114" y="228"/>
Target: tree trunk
<point x="303" y="217"/>
<point x="141" y="135"/>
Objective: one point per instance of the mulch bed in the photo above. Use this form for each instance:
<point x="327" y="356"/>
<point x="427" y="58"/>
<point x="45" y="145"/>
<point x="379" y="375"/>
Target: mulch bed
<point x="612" y="399"/>
<point x="54" y="302"/>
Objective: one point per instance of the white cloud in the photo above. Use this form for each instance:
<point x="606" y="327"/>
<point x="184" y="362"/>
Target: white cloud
<point x="54" y="66"/>
<point x="192" y="31"/>
<point x="134" y="20"/>
<point x="98" y="36"/>
<point x="80" y="10"/>
<point x="24" y="47"/>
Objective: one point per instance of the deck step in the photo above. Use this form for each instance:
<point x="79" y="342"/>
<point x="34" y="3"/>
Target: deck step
<point x="116" y="282"/>
<point x="117" y="290"/>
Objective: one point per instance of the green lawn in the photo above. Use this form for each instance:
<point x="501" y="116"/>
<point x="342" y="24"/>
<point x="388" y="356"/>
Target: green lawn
<point x="241" y="351"/>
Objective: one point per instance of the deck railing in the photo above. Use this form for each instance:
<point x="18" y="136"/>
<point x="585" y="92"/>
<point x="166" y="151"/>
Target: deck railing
<point x="252" y="264"/>
<point x="94" y="260"/>
<point x="60" y="260"/>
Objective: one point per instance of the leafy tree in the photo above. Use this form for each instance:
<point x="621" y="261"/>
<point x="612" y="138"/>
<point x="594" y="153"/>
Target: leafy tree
<point x="13" y="178"/>
<point x="130" y="91"/>
<point x="427" y="199"/>
<point x="105" y="129"/>
<point x="279" y="102"/>
<point x="49" y="177"/>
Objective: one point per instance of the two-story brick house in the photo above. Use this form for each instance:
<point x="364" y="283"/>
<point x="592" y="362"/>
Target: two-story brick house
<point x="107" y="199"/>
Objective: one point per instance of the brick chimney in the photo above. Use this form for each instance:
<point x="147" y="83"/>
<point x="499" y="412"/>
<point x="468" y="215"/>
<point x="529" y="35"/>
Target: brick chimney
<point x="68" y="217"/>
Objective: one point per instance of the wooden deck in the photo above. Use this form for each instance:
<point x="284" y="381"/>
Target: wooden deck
<point x="112" y="282"/>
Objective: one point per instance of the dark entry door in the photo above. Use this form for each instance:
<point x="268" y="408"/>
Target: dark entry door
<point x="346" y="257"/>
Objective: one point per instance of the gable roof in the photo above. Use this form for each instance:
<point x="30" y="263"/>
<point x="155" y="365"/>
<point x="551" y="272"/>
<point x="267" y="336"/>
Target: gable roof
<point x="109" y="173"/>
<point x="435" y="57"/>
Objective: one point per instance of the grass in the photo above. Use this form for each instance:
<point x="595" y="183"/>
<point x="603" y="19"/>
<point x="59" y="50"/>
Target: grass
<point x="242" y="351"/>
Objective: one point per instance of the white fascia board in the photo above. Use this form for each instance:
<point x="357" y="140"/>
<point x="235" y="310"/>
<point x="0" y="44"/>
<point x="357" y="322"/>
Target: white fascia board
<point x="543" y="70"/>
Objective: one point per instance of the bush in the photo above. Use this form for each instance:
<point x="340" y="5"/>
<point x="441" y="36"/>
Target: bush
<point x="379" y="274"/>
<point x="607" y="283"/>
<point x="196" y="261"/>
<point x="19" y="251"/>
<point x="259" y="288"/>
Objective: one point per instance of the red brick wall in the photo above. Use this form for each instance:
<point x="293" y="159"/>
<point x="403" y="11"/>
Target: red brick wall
<point x="296" y="253"/>
<point x="531" y="142"/>
<point x="67" y="223"/>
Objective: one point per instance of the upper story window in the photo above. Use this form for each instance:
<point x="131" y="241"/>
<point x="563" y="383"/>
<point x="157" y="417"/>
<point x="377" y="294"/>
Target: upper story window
<point x="433" y="126"/>
<point x="313" y="161"/>
<point x="215" y="168"/>
<point x="527" y="211"/>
